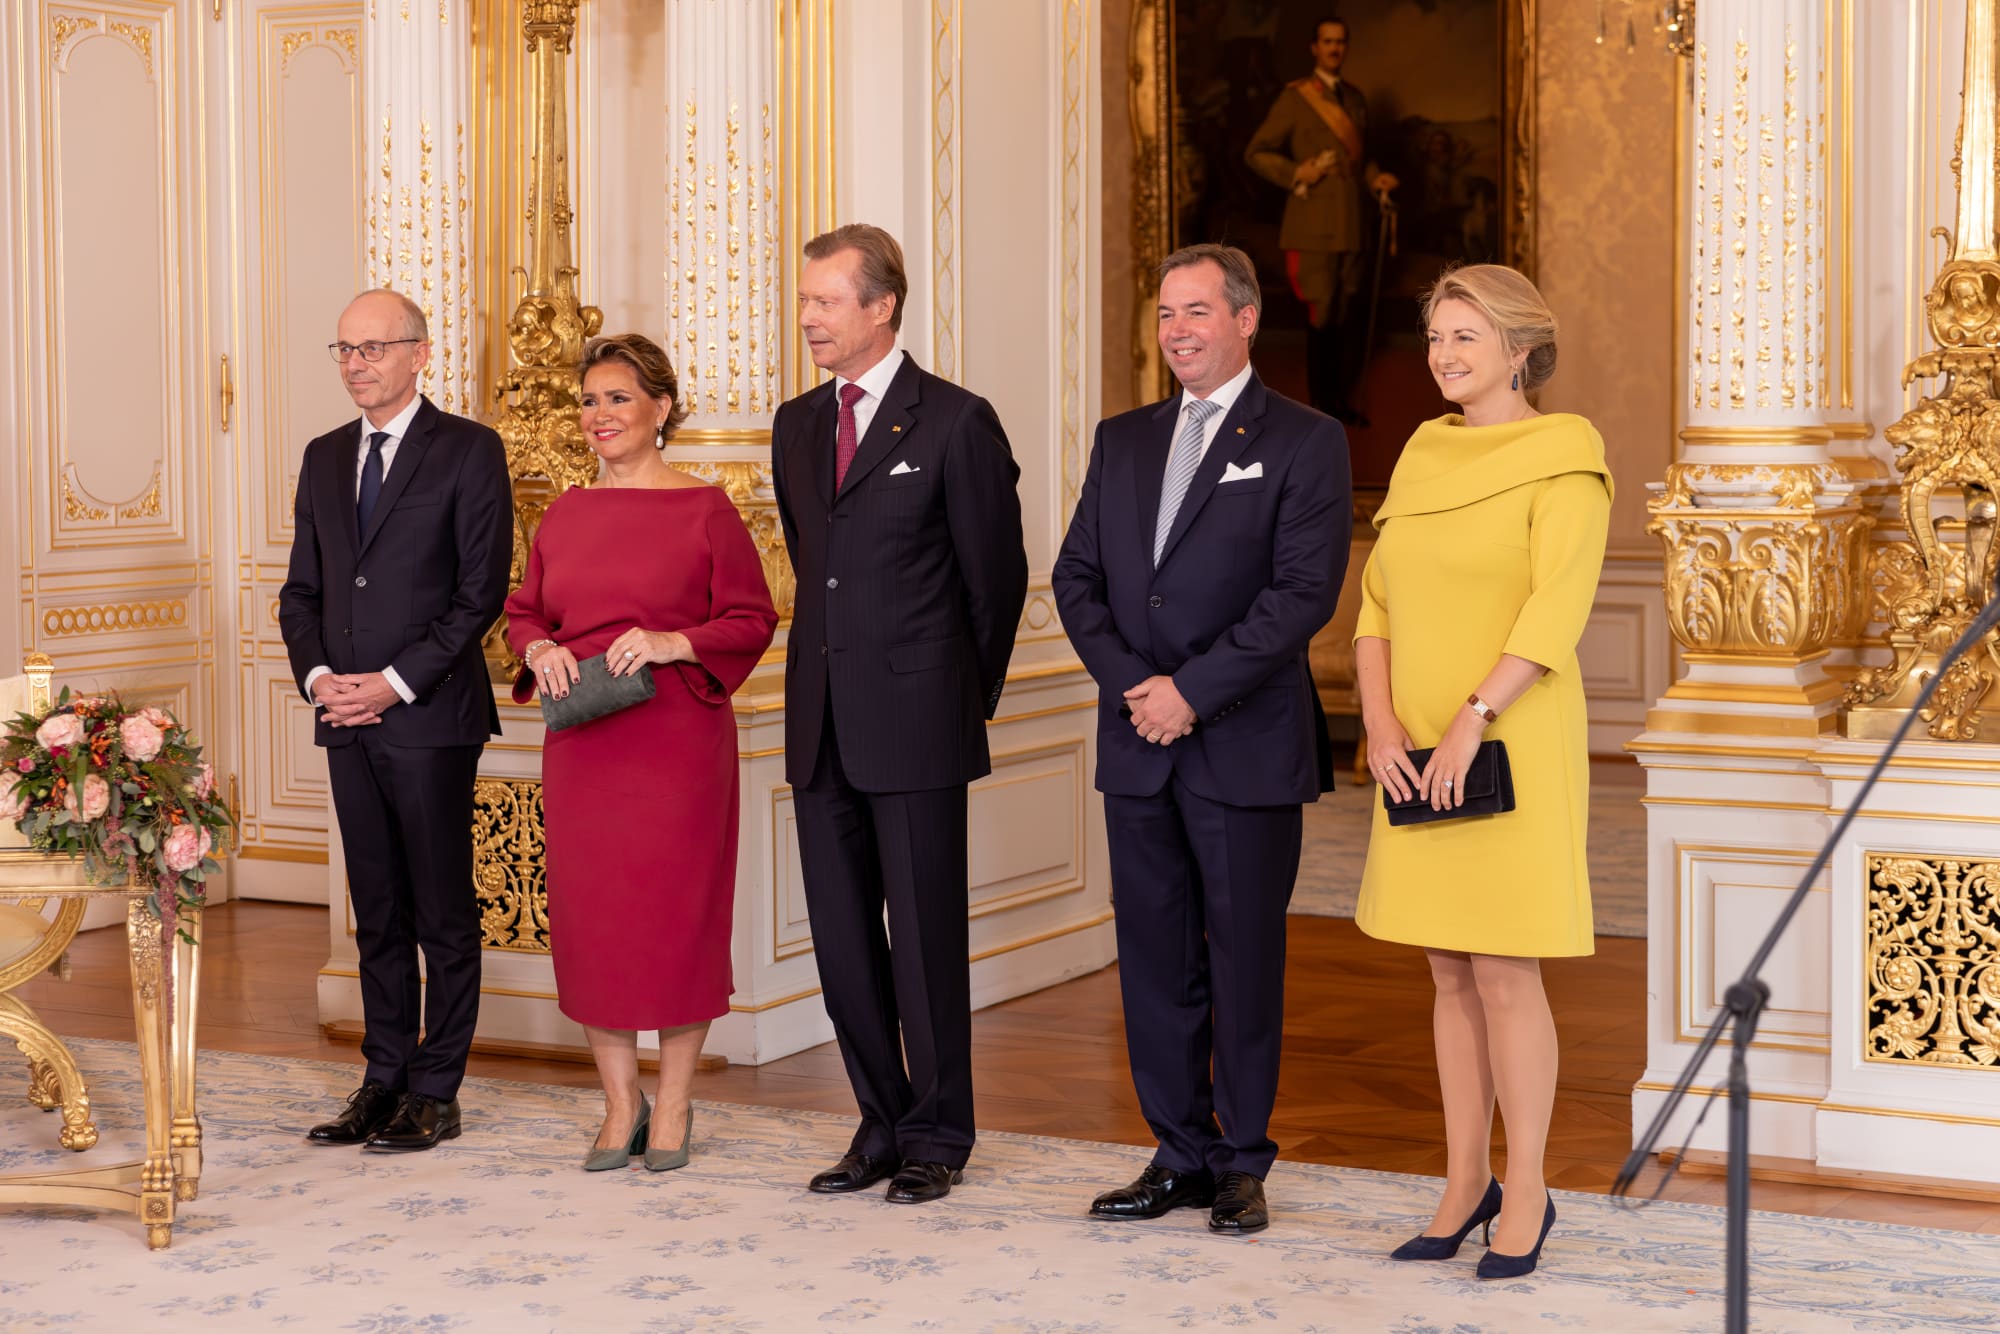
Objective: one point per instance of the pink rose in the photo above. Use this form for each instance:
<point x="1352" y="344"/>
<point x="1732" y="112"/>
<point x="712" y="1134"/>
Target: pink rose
<point x="96" y="799"/>
<point x="204" y="781"/>
<point x="159" y="718"/>
<point x="13" y="802"/>
<point x="186" y="846"/>
<point x="142" y="739"/>
<point x="25" y="765"/>
<point x="59" y="730"/>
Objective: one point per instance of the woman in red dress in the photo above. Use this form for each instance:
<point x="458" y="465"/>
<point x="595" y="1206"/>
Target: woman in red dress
<point x="655" y="571"/>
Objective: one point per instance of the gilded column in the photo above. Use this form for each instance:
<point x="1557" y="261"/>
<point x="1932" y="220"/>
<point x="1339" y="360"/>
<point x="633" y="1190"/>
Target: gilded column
<point x="415" y="79"/>
<point x="1764" y="534"/>
<point x="725" y="304"/>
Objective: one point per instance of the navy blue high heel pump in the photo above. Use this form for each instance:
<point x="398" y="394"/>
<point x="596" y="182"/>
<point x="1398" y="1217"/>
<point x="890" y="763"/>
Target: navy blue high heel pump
<point x="1495" y="1265"/>
<point x="1443" y="1248"/>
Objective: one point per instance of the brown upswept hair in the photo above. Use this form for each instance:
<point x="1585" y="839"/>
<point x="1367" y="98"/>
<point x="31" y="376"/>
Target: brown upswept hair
<point x="649" y="362"/>
<point x="882" y="272"/>
<point x="1512" y="304"/>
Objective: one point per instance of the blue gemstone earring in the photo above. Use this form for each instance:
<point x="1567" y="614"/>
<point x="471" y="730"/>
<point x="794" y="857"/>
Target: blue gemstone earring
<point x="1517" y="381"/>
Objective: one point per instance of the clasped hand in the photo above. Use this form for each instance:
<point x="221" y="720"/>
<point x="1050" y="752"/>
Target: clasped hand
<point x="1442" y="782"/>
<point x="1159" y="714"/>
<point x="354" y="699"/>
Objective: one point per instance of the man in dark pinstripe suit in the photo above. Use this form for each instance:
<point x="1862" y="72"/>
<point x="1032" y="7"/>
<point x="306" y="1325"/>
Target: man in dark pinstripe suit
<point x="896" y="490"/>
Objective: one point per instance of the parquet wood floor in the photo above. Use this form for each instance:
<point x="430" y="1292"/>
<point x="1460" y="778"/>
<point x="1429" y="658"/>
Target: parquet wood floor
<point x="1358" y="1084"/>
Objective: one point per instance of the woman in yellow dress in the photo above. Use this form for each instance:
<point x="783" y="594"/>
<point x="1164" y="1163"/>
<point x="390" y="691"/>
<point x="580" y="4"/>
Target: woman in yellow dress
<point x="1492" y="536"/>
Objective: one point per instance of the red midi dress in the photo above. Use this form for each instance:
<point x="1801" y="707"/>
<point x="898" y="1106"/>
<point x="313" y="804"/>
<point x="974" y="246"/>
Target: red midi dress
<point x="639" y="807"/>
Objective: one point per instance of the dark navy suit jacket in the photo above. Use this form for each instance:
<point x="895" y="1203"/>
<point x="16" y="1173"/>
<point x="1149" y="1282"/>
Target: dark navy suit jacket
<point x="419" y="589"/>
<point x="1251" y="572"/>
<point x="910" y="583"/>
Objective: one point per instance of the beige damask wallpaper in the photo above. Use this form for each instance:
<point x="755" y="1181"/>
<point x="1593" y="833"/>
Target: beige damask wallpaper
<point x="1605" y="240"/>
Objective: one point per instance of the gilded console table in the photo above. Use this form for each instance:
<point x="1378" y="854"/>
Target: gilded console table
<point x="171" y="1169"/>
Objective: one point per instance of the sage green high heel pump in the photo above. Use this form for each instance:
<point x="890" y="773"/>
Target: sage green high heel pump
<point x="606" y="1160"/>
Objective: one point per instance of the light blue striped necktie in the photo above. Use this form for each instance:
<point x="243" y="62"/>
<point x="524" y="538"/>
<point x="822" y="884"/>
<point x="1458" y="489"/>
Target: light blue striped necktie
<point x="1186" y="457"/>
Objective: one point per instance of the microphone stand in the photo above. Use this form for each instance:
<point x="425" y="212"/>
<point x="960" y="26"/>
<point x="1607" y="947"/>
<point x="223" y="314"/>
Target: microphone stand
<point x="1743" y="1004"/>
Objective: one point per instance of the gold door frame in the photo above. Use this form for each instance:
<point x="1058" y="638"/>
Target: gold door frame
<point x="1151" y="95"/>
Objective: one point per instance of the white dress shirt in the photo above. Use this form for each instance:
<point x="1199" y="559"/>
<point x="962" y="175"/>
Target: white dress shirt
<point x="396" y="428"/>
<point x="1224" y="397"/>
<point x="874" y="383"/>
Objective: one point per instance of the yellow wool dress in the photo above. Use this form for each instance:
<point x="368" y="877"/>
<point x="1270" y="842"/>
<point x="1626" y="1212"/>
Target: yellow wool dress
<point x="1491" y="542"/>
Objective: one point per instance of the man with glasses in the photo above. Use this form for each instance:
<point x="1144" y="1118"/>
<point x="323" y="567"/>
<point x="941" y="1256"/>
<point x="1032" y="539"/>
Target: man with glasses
<point x="399" y="565"/>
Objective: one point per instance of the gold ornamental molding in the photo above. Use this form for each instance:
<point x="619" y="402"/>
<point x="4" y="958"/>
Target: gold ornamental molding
<point x="1931" y="959"/>
<point x="115" y="617"/>
<point x="1775" y="584"/>
<point x="1949" y="445"/>
<point x="508" y="871"/>
<point x="947" y="139"/>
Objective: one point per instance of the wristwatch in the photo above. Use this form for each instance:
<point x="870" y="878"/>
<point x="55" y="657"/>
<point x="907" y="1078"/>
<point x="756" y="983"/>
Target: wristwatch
<point x="1481" y="707"/>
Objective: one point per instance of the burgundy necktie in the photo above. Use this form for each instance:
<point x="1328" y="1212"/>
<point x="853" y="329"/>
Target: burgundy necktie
<point x="846" y="440"/>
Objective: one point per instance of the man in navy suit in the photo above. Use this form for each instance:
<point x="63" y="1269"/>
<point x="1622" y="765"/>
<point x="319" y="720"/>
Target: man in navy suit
<point x="1206" y="550"/>
<point x="404" y="531"/>
<point x="896" y="490"/>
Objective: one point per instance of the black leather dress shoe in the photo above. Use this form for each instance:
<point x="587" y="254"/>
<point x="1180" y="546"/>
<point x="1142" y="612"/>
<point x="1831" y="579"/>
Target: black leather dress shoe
<point x="1239" y="1204"/>
<point x="855" y="1171"/>
<point x="1158" y="1190"/>
<point x="421" y="1121"/>
<point x="919" y="1183"/>
<point x="368" y="1110"/>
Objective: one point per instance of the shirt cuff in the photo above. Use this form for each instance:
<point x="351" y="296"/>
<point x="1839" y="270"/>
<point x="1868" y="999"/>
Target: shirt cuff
<point x="396" y="684"/>
<point x="312" y="676"/>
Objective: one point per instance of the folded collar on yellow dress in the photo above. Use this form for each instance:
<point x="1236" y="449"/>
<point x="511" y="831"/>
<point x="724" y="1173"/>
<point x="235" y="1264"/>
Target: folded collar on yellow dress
<point x="1448" y="465"/>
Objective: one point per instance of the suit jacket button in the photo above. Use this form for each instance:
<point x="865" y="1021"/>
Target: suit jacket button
<point x="1156" y="601"/>
<point x="833" y="583"/>
<point x="361" y="581"/>
<point x="822" y="650"/>
<point x="347" y="632"/>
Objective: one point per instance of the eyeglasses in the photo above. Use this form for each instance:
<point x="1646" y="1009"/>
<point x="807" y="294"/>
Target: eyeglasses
<point x="371" y="350"/>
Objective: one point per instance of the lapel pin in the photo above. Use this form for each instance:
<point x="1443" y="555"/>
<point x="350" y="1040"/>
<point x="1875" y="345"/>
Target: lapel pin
<point x="895" y="428"/>
<point x="1239" y="430"/>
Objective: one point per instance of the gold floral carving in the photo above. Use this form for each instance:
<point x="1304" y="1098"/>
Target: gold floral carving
<point x="1776" y="582"/>
<point x="537" y="421"/>
<point x="1950" y="444"/>
<point x="348" y="40"/>
<point x="140" y="38"/>
<point x="508" y="874"/>
<point x="143" y="933"/>
<point x="1073" y="443"/>
<point x="1931" y="959"/>
<point x="77" y="508"/>
<point x="147" y="506"/>
<point x="62" y="27"/>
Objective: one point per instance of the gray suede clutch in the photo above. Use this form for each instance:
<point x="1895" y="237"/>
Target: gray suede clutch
<point x="595" y="694"/>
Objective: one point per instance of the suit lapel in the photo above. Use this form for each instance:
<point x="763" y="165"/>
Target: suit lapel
<point x="410" y="452"/>
<point x="1241" y="426"/>
<point x="1150" y="461"/>
<point x="333" y="488"/>
<point x="893" y="421"/>
<point x="814" y="450"/>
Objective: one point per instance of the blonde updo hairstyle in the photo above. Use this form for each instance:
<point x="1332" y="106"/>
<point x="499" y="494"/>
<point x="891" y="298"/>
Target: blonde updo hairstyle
<point x="649" y="363"/>
<point x="1513" y="306"/>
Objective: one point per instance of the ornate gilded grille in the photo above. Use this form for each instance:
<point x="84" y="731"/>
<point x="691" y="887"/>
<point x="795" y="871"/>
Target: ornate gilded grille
<point x="1932" y="960"/>
<point x="507" y="867"/>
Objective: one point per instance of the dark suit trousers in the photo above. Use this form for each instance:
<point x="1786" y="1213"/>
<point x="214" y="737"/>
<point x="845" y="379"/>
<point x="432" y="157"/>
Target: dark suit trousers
<point x="1200" y="891"/>
<point x="906" y="850"/>
<point x="406" y="826"/>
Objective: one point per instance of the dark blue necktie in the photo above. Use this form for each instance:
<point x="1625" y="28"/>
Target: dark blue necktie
<point x="371" y="479"/>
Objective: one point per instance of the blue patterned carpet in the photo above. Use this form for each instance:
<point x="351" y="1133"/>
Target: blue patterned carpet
<point x="500" y="1232"/>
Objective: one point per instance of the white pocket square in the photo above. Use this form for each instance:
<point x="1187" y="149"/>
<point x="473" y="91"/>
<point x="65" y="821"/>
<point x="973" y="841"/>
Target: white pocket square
<point x="902" y="469"/>
<point x="1232" y="473"/>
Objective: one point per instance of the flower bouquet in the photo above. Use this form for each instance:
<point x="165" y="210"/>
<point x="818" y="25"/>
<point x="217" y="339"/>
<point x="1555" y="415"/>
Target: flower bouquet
<point x="125" y="789"/>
